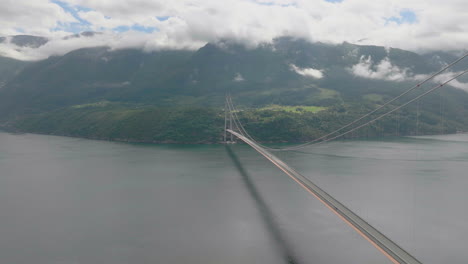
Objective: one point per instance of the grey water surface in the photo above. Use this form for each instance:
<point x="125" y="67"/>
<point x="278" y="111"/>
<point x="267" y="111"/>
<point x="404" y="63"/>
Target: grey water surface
<point x="76" y="201"/>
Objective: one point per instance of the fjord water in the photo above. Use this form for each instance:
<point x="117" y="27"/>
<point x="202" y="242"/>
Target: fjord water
<point x="67" y="200"/>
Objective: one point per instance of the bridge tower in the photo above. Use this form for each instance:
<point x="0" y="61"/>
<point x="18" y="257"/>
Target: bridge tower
<point x="227" y="121"/>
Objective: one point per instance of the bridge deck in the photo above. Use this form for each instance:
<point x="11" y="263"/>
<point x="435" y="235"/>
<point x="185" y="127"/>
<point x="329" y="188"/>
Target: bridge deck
<point x="389" y="248"/>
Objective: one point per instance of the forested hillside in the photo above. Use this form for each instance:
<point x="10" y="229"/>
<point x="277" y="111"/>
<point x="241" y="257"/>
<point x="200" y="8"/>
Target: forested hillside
<point x="178" y="95"/>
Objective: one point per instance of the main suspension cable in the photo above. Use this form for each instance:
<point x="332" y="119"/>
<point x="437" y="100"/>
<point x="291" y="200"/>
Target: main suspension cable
<point x="378" y="108"/>
<point x="326" y="138"/>
<point x="395" y="109"/>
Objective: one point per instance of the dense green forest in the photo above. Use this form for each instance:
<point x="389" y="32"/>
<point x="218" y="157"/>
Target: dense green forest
<point x="195" y="124"/>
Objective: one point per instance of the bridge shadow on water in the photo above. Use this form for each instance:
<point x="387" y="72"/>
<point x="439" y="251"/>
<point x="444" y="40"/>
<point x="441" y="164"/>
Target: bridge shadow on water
<point x="264" y="210"/>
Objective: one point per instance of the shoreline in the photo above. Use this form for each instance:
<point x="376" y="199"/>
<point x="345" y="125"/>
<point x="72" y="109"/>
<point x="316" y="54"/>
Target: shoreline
<point x="172" y="142"/>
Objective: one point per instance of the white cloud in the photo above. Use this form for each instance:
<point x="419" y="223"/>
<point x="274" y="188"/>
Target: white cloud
<point x="445" y="77"/>
<point x="385" y="70"/>
<point x="60" y="46"/>
<point x="308" y="72"/>
<point x="195" y="22"/>
<point x="238" y="78"/>
<point x="31" y="17"/>
<point x="459" y="85"/>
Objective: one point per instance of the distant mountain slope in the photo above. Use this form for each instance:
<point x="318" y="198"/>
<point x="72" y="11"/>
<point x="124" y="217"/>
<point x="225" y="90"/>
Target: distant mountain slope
<point x="9" y="68"/>
<point x="28" y="41"/>
<point x="258" y="76"/>
<point x="286" y="72"/>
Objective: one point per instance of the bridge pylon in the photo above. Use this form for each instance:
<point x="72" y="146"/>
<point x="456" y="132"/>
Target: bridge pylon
<point x="228" y="139"/>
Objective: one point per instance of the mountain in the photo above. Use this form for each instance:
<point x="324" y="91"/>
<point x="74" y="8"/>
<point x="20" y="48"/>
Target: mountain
<point x="9" y="68"/>
<point x="22" y="41"/>
<point x="286" y="72"/>
<point x="37" y="41"/>
<point x="28" y="41"/>
<point x="83" y="34"/>
<point x="134" y="76"/>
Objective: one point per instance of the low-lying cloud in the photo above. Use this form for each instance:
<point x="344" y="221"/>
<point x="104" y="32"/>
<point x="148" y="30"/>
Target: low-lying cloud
<point x="445" y="77"/>
<point x="308" y="72"/>
<point x="385" y="70"/>
<point x="238" y="78"/>
<point x="115" y="41"/>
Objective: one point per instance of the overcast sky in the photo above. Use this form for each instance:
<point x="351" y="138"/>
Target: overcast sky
<point x="418" y="25"/>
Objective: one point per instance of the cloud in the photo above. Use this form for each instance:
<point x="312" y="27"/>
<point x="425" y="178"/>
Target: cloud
<point x="31" y="17"/>
<point x="385" y="70"/>
<point x="308" y="72"/>
<point x="238" y="78"/>
<point x="445" y="77"/>
<point x="115" y="41"/>
<point x="459" y="85"/>
<point x="418" y="25"/>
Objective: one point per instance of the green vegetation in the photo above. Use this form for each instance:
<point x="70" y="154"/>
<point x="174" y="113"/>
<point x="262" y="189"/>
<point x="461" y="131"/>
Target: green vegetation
<point x="328" y="94"/>
<point x="294" y="109"/>
<point x="377" y="98"/>
<point x="132" y="124"/>
<point x="138" y="123"/>
<point x="284" y="126"/>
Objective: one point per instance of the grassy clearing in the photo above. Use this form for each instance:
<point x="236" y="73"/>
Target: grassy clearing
<point x="295" y="108"/>
<point x="327" y="93"/>
<point x="97" y="104"/>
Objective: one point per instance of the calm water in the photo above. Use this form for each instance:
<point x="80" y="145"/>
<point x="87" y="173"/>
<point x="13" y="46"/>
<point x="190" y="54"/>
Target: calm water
<point x="75" y="201"/>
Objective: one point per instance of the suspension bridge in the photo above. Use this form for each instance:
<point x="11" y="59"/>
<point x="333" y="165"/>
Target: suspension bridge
<point x="234" y="129"/>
